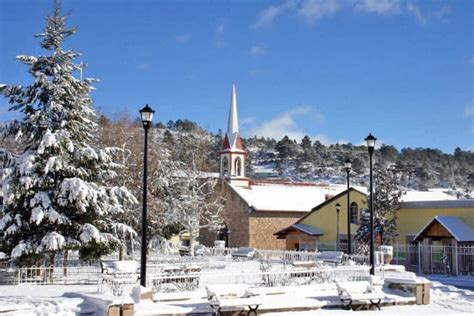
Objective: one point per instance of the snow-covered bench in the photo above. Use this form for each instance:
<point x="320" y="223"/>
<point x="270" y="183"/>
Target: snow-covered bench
<point x="243" y="252"/>
<point x="331" y="256"/>
<point x="116" y="274"/>
<point x="179" y="277"/>
<point x="307" y="264"/>
<point x="232" y="298"/>
<point x="360" y="292"/>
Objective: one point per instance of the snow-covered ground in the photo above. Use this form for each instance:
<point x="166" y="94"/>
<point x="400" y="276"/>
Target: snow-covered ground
<point x="69" y="300"/>
<point x="83" y="299"/>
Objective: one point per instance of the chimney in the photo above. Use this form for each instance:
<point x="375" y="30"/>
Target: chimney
<point x="328" y="196"/>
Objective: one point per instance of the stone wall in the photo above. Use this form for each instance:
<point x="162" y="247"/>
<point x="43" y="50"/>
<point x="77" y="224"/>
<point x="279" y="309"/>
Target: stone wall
<point x="235" y="215"/>
<point x="264" y="224"/>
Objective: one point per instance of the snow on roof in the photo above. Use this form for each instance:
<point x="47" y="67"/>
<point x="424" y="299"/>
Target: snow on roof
<point x="415" y="196"/>
<point x="286" y="197"/>
<point x="307" y="229"/>
<point x="302" y="197"/>
<point x="455" y="226"/>
<point x="310" y="230"/>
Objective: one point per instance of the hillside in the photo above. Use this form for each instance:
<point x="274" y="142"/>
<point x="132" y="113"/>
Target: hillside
<point x="304" y="160"/>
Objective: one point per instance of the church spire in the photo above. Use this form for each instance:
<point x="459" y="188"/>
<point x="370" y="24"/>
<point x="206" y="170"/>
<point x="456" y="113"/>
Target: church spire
<point x="232" y="137"/>
<point x="233" y="124"/>
<point x="233" y="155"/>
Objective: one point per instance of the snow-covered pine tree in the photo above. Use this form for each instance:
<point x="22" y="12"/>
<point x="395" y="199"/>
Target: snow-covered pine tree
<point x="387" y="200"/>
<point x="55" y="192"/>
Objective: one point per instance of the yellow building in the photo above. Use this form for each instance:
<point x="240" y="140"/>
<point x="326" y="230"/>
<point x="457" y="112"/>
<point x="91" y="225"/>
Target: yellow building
<point x="415" y="215"/>
<point x="320" y="225"/>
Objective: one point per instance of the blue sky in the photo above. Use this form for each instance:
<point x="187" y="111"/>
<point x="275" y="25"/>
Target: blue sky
<point x="334" y="70"/>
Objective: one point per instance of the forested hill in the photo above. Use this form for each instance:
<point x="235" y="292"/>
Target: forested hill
<point x="305" y="159"/>
<point x="308" y="160"/>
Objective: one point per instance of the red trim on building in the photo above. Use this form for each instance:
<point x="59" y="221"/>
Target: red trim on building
<point x="281" y="211"/>
<point x="238" y="143"/>
<point x="226" y="144"/>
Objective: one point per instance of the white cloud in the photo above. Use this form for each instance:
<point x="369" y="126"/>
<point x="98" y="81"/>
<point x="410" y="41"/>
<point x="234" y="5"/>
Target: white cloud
<point x="248" y="120"/>
<point x="313" y="10"/>
<point x="469" y="111"/>
<point x="442" y="12"/>
<point x="257" y="50"/>
<point x="143" y="66"/>
<point x="286" y="124"/>
<point x="183" y="38"/>
<point x="283" y="124"/>
<point x="269" y="14"/>
<point x="415" y="11"/>
<point x="382" y="7"/>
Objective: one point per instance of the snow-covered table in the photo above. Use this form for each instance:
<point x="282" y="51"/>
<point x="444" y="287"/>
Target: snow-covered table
<point x="117" y="274"/>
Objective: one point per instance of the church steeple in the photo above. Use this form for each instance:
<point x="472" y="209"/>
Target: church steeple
<point x="232" y="153"/>
<point x="232" y="137"/>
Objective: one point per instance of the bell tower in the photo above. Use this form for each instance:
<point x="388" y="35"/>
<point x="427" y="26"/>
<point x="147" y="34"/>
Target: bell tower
<point x="233" y="156"/>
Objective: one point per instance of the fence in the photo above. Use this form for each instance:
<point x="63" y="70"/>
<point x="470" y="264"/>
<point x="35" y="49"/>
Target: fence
<point x="186" y="282"/>
<point x="59" y="275"/>
<point x="420" y="258"/>
<point x="435" y="259"/>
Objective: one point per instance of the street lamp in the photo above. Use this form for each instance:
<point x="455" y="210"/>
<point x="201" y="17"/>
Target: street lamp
<point x="146" y="115"/>
<point x="338" y="208"/>
<point x="370" y="146"/>
<point x="348" y="167"/>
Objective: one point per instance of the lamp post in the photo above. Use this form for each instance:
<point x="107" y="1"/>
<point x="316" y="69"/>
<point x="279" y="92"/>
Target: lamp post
<point x="146" y="115"/>
<point x="370" y="146"/>
<point x="338" y="208"/>
<point x="348" y="167"/>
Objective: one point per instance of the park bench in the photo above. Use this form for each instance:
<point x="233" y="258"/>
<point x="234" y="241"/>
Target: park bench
<point x="225" y="298"/>
<point x="359" y="292"/>
<point x="334" y="257"/>
<point x="116" y="274"/>
<point x="178" y="277"/>
<point x="243" y="252"/>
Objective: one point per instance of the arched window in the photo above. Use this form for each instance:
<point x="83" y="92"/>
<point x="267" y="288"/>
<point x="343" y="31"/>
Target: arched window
<point x="238" y="166"/>
<point x="354" y="213"/>
<point x="225" y="166"/>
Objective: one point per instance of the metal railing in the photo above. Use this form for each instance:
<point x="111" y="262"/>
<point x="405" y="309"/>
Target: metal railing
<point x="89" y="274"/>
<point x="435" y="259"/>
<point x="182" y="282"/>
<point x="419" y="258"/>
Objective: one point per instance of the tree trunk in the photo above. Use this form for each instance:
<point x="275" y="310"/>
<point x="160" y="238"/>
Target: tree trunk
<point x="51" y="264"/>
<point x="192" y="241"/>
<point x="65" y="262"/>
<point x="121" y="252"/>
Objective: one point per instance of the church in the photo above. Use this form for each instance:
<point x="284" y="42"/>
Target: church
<point x="272" y="214"/>
<point x="256" y="209"/>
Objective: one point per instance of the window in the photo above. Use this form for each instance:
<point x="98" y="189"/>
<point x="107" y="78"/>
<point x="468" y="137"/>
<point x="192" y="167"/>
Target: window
<point x="354" y="213"/>
<point x="238" y="166"/>
<point x="225" y="166"/>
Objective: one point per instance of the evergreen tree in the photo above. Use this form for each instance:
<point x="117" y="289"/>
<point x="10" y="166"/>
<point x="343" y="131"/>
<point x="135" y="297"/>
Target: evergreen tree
<point x="387" y="200"/>
<point x="55" y="191"/>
